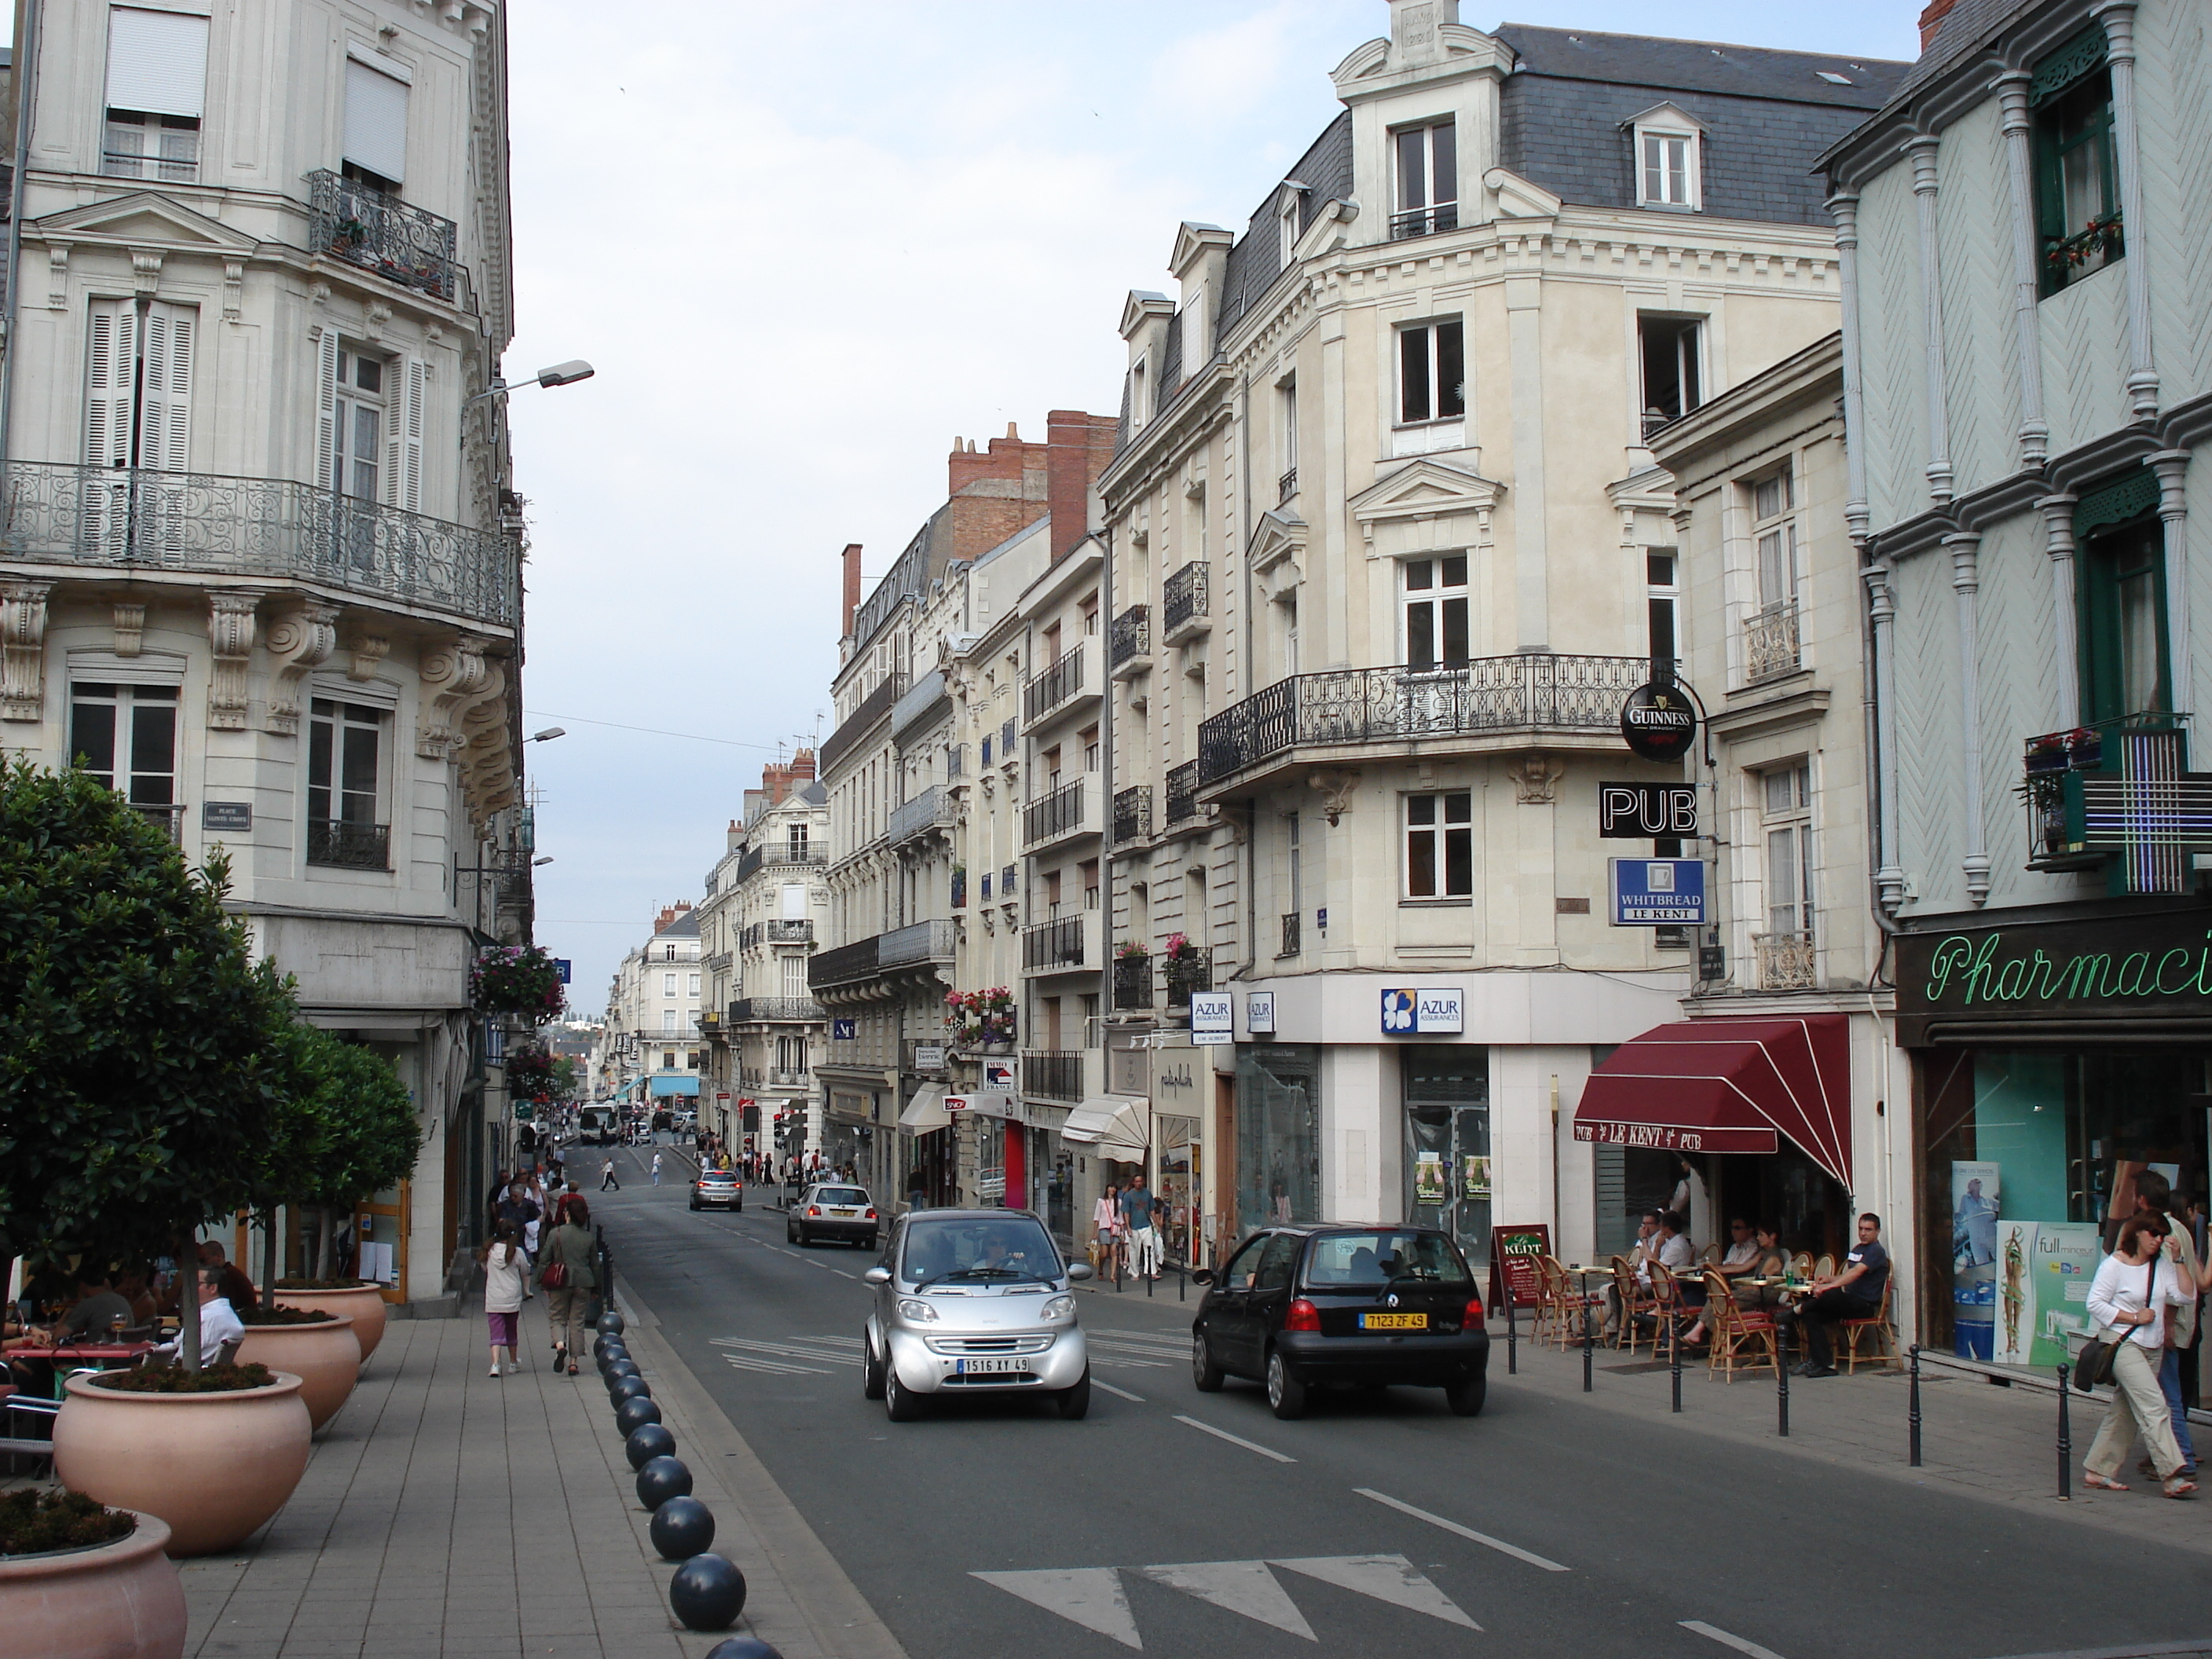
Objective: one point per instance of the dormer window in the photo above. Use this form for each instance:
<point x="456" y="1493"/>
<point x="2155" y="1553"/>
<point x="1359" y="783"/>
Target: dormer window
<point x="1286" y="223"/>
<point x="1668" y="162"/>
<point x="1428" y="179"/>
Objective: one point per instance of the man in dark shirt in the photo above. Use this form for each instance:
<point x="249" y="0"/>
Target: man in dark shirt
<point x="1854" y="1293"/>
<point x="237" y="1288"/>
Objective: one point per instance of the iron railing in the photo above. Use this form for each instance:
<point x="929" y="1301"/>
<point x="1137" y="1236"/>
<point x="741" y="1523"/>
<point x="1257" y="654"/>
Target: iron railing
<point x="1770" y="641"/>
<point x="1286" y="486"/>
<point x="397" y="241"/>
<point x="759" y="857"/>
<point x="1425" y="221"/>
<point x="1054" y="943"/>
<point x="1785" y="960"/>
<point x="1048" y="688"/>
<point x="920" y="941"/>
<point x="928" y="811"/>
<point x="1184" y="596"/>
<point x="1531" y="691"/>
<point x="1289" y="934"/>
<point x="348" y="846"/>
<point x="169" y="819"/>
<point x="792" y="930"/>
<point x="1186" y="974"/>
<point x="1053" y="1073"/>
<point x="1133" y="813"/>
<point x="1132" y="982"/>
<point x="779" y="1009"/>
<point x="845" y="964"/>
<point x="136" y="519"/>
<point x="1182" y="793"/>
<point x="857" y="725"/>
<point x="1130" y="637"/>
<point x="1052" y="815"/>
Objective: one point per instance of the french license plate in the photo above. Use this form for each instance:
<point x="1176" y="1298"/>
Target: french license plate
<point x="976" y="1367"/>
<point x="841" y="1214"/>
<point x="1400" y="1321"/>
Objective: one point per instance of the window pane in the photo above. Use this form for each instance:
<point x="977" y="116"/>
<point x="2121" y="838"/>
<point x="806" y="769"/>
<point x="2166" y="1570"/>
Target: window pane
<point x="1459" y="806"/>
<point x="1459" y="863"/>
<point x="368" y="374"/>
<point x="2139" y="639"/>
<point x="1420" y="574"/>
<point x="1444" y="153"/>
<point x="91" y="736"/>
<point x="1420" y="809"/>
<point x="1455" y="630"/>
<point x="1780" y="792"/>
<point x="359" y="783"/>
<point x="1662" y="627"/>
<point x="1421" y="864"/>
<point x="1678" y="164"/>
<point x="153" y="753"/>
<point x="1782" y="878"/>
<point x="1414" y="401"/>
<point x="1412" y="182"/>
<point x="1654" y="179"/>
<point x="1454" y="571"/>
<point x="1659" y="570"/>
<point x="1420" y="635"/>
<point x="1451" y="370"/>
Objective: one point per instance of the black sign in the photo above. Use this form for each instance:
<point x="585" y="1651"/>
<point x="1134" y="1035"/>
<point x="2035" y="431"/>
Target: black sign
<point x="1659" y="722"/>
<point x="1712" y="963"/>
<point x="235" y="815"/>
<point x="1643" y="811"/>
<point x="2152" y="967"/>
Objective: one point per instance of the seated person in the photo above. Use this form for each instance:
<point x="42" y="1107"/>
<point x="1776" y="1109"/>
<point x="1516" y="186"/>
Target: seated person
<point x="135" y="1285"/>
<point x="237" y="1288"/>
<point x="92" y="1319"/>
<point x="1640" y="1256"/>
<point x="1755" y="1253"/>
<point x="1854" y="1293"/>
<point x="219" y="1323"/>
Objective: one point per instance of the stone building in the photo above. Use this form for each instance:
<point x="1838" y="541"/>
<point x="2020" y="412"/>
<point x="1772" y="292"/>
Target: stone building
<point x="652" y="1017"/>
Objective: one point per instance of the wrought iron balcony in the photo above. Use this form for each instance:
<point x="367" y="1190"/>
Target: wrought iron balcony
<point x="1770" y="643"/>
<point x="1130" y="640"/>
<point x="1133" y="813"/>
<point x="1052" y="815"/>
<point x="1185" y="599"/>
<point x="1286" y="486"/>
<point x="1425" y="221"/>
<point x="1053" y="1073"/>
<point x="931" y="810"/>
<point x="2122" y="789"/>
<point x="778" y="1010"/>
<point x="1186" y="974"/>
<point x="1785" y="961"/>
<point x="1054" y="943"/>
<point x="1183" y="794"/>
<point x="1048" y="688"/>
<point x="1290" y="933"/>
<point x="1530" y="692"/>
<point x="396" y="240"/>
<point x="1132" y="982"/>
<point x="169" y="819"/>
<point x="347" y="846"/>
<point x="763" y="856"/>
<point x="790" y="930"/>
<point x="858" y="724"/>
<point x="139" y="518"/>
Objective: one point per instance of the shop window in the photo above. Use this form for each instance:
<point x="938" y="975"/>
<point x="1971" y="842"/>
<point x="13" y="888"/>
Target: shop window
<point x="2077" y="185"/>
<point x="1278" y="1134"/>
<point x="1436" y="599"/>
<point x="1447" y="1105"/>
<point x="1440" y="845"/>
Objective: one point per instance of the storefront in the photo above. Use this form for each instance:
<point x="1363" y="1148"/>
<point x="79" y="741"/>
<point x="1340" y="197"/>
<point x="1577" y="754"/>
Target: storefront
<point x="931" y="1178"/>
<point x="1447" y="1130"/>
<point x="2054" y="1063"/>
<point x="1278" y="1104"/>
<point x="1182" y="1083"/>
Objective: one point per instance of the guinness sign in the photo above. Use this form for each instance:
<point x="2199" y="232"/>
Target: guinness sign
<point x="1658" y="722"/>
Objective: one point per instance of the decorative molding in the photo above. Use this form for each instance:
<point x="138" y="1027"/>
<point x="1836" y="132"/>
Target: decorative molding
<point x="2118" y="17"/>
<point x="1843" y="209"/>
<point x="2172" y="466"/>
<point x="1536" y="778"/>
<point x="23" y="641"/>
<point x="1881" y="613"/>
<point x="366" y="652"/>
<point x="319" y="292"/>
<point x="1922" y="148"/>
<point x="377" y="314"/>
<point x="130" y="629"/>
<point x="301" y="641"/>
<point x="58" y="260"/>
<point x="2057" y="511"/>
<point x="146" y="270"/>
<point x="1336" y="789"/>
<point x="234" y="290"/>
<point x="1966" y="582"/>
<point x="2034" y="436"/>
<point x="232" y="614"/>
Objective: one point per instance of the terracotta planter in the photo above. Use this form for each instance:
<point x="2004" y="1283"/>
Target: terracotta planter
<point x="364" y="1306"/>
<point x="325" y="1358"/>
<point x="214" y="1466"/>
<point x="119" y="1600"/>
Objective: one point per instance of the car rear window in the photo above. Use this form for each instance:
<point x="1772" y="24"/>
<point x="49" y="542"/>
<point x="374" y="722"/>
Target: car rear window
<point x="841" y="1195"/>
<point x="1383" y="1256"/>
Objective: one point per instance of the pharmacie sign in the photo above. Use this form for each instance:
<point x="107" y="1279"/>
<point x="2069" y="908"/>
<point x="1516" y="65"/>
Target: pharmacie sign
<point x="2152" y="965"/>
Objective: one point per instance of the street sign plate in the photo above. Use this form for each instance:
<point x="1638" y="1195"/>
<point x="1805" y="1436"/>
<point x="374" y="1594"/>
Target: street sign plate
<point x="562" y="966"/>
<point x="232" y="815"/>
<point x="844" y="1030"/>
<point x="1658" y="892"/>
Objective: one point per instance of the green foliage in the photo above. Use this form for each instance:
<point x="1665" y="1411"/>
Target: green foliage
<point x="33" y="1522"/>
<point x="141" y="1070"/>
<point x="174" y="1379"/>
<point x="345" y="1129"/>
<point x="568" y="1078"/>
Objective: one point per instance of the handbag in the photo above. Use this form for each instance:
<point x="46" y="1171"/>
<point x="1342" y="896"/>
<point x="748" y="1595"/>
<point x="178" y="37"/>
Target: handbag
<point x="2094" y="1365"/>
<point x="555" y="1275"/>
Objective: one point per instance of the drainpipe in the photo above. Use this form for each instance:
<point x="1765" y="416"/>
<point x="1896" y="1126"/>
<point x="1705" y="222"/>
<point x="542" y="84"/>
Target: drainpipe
<point x="25" y="79"/>
<point x="1105" y="813"/>
<point x="1244" y="564"/>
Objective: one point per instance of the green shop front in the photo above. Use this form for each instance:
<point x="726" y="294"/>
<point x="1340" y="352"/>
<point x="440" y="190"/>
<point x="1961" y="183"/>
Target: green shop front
<point x="2057" y="1058"/>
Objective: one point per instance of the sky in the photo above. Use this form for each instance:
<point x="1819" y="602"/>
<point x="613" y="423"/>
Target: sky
<point x="807" y="245"/>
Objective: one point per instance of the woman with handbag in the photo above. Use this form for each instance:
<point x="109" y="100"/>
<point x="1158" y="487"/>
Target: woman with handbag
<point x="2128" y="1304"/>
<point x="568" y="1266"/>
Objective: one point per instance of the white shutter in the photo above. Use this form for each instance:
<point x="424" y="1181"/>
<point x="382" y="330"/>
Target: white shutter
<point x="376" y="121"/>
<point x="795" y="901"/>
<point x="157" y="62"/>
<point x="165" y="413"/>
<point x="407" y="423"/>
<point x="327" y="398"/>
<point x="110" y="375"/>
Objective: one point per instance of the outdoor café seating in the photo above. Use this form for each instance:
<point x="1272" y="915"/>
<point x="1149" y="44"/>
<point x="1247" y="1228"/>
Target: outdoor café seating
<point x="1876" y="1329"/>
<point x="1637" y="1304"/>
<point x="1740" y="1338"/>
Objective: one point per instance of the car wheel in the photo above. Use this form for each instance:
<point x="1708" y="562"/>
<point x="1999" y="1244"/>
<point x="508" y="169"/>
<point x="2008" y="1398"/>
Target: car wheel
<point x="1465" y="1398"/>
<point x="1203" y="1371"/>
<point x="1286" y="1394"/>
<point x="1075" y="1402"/>
<point x="899" y="1404"/>
<point x="805" y="1241"/>
<point x="739" y="1206"/>
<point x="694" y="1203"/>
<point x="790" y="1234"/>
<point x="869" y="1243"/>
<point x="872" y="1371"/>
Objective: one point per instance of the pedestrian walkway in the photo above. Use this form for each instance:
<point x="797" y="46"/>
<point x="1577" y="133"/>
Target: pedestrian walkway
<point x="446" y="1513"/>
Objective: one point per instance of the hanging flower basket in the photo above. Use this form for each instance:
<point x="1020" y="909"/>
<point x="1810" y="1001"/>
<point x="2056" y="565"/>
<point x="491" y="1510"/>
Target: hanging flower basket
<point x="1179" y="949"/>
<point x="984" y="1018"/>
<point x="530" y="1072"/>
<point x="510" y="979"/>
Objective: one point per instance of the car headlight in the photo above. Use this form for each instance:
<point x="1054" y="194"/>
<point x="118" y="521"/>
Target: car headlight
<point x="912" y="1307"/>
<point x="1060" y="1307"/>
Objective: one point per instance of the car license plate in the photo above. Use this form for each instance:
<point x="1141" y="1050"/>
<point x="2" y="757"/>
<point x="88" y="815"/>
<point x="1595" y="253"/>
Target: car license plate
<point x="1394" y="1321"/>
<point x="842" y="1213"/>
<point x="974" y="1367"/>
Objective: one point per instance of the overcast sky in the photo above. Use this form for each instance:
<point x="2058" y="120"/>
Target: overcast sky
<point x="806" y="244"/>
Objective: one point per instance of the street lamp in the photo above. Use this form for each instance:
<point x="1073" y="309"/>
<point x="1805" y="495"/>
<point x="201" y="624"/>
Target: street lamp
<point x="566" y="373"/>
<point x="548" y="734"/>
<point x="539" y="863"/>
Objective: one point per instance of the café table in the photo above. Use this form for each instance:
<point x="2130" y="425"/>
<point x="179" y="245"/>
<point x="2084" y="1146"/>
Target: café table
<point x="106" y="1356"/>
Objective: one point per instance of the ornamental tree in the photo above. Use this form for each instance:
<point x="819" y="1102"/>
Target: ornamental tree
<point x="346" y="1131"/>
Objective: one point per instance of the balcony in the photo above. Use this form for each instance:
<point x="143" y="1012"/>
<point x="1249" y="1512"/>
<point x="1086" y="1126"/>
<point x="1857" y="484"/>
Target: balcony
<point x="792" y="930"/>
<point x="1060" y="814"/>
<point x="800" y="856"/>
<point x="389" y="238"/>
<point x="1523" y="695"/>
<point x="929" y="811"/>
<point x="344" y="846"/>
<point x="134" y="520"/>
<point x="1183" y="794"/>
<point x="1130" y="643"/>
<point x="861" y="721"/>
<point x="778" y="1010"/>
<point x="2120" y="788"/>
<point x="1053" y="945"/>
<point x="1054" y="690"/>
<point x="1425" y="221"/>
<point x="1186" y="604"/>
<point x="1133" y="983"/>
<point x="1289" y="934"/>
<point x="1186" y="974"/>
<point x="1133" y="813"/>
<point x="926" y="704"/>
<point x="1769" y="643"/>
<point x="1784" y="961"/>
<point x="1053" y="1073"/>
<point x="169" y="819"/>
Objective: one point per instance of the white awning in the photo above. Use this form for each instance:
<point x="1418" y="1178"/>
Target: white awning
<point x="1114" y="1124"/>
<point x="924" y="1112"/>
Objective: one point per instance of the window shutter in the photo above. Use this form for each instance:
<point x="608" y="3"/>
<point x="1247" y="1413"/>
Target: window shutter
<point x="409" y="423"/>
<point x="157" y="62"/>
<point x="164" y="414"/>
<point x="795" y="901"/>
<point x="376" y="121"/>
<point x="327" y="398"/>
<point x="112" y="355"/>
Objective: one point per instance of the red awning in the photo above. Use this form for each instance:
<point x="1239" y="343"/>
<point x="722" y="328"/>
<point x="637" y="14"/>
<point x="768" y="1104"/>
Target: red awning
<point x="1728" y="1085"/>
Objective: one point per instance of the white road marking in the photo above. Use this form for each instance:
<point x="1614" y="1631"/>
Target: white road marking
<point x="1245" y="1587"/>
<point x="1090" y="1597"/>
<point x="1738" y="1643"/>
<point x="1119" y="1393"/>
<point x="782" y="1350"/>
<point x="770" y="1368"/>
<point x="842" y="1274"/>
<point x="1235" y="1439"/>
<point x="1121" y="1364"/>
<point x="1484" y="1538"/>
<point x="1389" y="1578"/>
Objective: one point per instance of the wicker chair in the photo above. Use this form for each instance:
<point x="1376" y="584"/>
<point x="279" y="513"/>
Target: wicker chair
<point x="1849" y="1331"/>
<point x="1667" y="1309"/>
<point x="1739" y="1337"/>
<point x="1800" y="1264"/>
<point x="1711" y="1256"/>
<point x="1635" y="1300"/>
<point x="1568" y="1303"/>
<point x="1824" y="1267"/>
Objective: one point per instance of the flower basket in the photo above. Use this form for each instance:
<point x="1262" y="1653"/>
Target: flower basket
<point x="510" y="979"/>
<point x="981" y="1018"/>
<point x="530" y="1072"/>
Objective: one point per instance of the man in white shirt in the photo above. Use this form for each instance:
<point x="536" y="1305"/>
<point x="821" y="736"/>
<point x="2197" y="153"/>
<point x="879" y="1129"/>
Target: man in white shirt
<point x="219" y="1322"/>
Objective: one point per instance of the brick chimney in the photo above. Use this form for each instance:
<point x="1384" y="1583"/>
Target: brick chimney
<point x="802" y="767"/>
<point x="1078" y="447"/>
<point x="1931" y="22"/>
<point x="852" y="557"/>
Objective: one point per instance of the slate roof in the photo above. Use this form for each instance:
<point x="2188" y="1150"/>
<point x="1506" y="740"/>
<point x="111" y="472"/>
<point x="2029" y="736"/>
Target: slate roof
<point x="684" y="926"/>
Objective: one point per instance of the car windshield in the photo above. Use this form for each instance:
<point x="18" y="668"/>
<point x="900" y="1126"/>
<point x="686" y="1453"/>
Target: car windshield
<point x="1371" y="1261"/>
<point x="976" y="1251"/>
<point x="840" y="1196"/>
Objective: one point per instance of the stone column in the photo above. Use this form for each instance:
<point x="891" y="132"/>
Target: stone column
<point x="1922" y="149"/>
<point x="2011" y="89"/>
<point x="1966" y="582"/>
<point x="2118" y="17"/>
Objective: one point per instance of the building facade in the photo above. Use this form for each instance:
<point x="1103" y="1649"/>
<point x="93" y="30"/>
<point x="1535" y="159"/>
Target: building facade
<point x="652" y="1017"/>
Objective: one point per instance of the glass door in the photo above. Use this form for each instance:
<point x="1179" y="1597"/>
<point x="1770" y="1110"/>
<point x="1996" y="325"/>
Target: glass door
<point x="1447" y="1092"/>
<point x="380" y="1242"/>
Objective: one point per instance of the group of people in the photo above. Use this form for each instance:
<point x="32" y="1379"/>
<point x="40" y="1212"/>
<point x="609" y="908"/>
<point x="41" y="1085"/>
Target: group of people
<point x="554" y="1250"/>
<point x="1125" y="1231"/>
<point x="2144" y="1299"/>
<point x="103" y="1303"/>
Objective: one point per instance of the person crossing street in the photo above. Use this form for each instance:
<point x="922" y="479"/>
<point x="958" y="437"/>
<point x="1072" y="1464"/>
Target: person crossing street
<point x="656" y="1169"/>
<point x="607" y="1177"/>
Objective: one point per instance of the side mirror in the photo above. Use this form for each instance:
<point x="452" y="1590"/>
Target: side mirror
<point x="1201" y="1276"/>
<point x="877" y="1275"/>
<point x="1077" y="1271"/>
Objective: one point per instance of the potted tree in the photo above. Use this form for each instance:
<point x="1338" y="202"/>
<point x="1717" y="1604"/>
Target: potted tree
<point x="320" y="1348"/>
<point x="79" y="1580"/>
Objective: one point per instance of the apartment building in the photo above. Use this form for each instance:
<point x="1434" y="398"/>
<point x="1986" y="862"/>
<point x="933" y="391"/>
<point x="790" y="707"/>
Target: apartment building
<point x="261" y="564"/>
<point x="2029" y="393"/>
<point x="1385" y="506"/>
<point x="652" y="1016"/>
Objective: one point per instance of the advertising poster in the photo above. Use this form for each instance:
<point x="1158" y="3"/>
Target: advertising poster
<point x="1473" y="1176"/>
<point x="2065" y="1255"/>
<point x="1513" y="1251"/>
<point x="1429" y="1178"/>
<point x="2014" y="1330"/>
<point x="1974" y="1200"/>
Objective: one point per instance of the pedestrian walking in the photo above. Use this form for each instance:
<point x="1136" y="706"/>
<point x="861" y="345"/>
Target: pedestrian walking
<point x="505" y="1270"/>
<point x="2128" y="1302"/>
<point x="569" y="1271"/>
<point x="656" y="1169"/>
<point x="1136" y="1207"/>
<point x="1105" y="1230"/>
<point x="2154" y="1196"/>
<point x="607" y="1175"/>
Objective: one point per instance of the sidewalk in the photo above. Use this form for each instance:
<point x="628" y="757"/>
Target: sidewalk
<point x="446" y="1513"/>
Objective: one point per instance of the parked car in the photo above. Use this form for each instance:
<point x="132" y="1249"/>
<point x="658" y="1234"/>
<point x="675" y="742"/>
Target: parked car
<point x="1301" y="1308"/>
<point x="833" y="1210"/>
<point x="970" y="1300"/>
<point x="717" y="1189"/>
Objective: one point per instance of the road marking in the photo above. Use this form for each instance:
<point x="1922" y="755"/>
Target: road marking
<point x="1235" y="1439"/>
<point x="842" y="1274"/>
<point x="770" y="1367"/>
<point x="1245" y="1587"/>
<point x="1389" y="1578"/>
<point x="1119" y="1393"/>
<point x="1121" y="1364"/>
<point x="1484" y="1538"/>
<point x="1090" y="1597"/>
<point x="782" y="1350"/>
<point x="1738" y="1643"/>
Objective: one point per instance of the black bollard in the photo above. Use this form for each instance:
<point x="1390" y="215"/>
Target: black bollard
<point x="682" y="1528"/>
<point x="2065" y="1441"/>
<point x="742" y="1647"/>
<point x="707" y="1593"/>
<point x="1781" y="1399"/>
<point x="1676" y="1350"/>
<point x="1913" y="1417"/>
<point x="1512" y="1334"/>
<point x="1590" y="1351"/>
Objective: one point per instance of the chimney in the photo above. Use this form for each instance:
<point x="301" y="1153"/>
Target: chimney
<point x="1077" y="446"/>
<point x="1931" y="22"/>
<point x="852" y="556"/>
<point x="802" y="767"/>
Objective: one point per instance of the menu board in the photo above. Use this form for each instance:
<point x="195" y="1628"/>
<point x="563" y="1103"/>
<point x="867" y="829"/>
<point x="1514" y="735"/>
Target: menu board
<point x="1514" y="1252"/>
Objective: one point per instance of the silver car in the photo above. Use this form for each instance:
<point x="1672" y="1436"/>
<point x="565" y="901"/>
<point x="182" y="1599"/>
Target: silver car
<point x="970" y="1301"/>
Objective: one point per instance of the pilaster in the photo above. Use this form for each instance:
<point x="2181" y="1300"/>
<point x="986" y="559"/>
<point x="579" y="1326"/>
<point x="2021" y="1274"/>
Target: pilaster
<point x="232" y="615"/>
<point x="2034" y="436"/>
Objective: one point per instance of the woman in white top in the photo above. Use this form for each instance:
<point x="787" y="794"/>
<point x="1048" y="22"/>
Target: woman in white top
<point x="2129" y="1298"/>
<point x="505" y="1267"/>
<point x="1106" y="1227"/>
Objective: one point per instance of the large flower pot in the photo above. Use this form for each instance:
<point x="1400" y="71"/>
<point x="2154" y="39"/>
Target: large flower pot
<point x="326" y="1357"/>
<point x="214" y="1466"/>
<point x="364" y="1305"/>
<point x="119" y="1600"/>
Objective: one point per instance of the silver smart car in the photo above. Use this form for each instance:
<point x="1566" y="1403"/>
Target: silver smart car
<point x="974" y="1300"/>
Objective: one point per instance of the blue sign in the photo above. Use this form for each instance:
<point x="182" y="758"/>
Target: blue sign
<point x="561" y="967"/>
<point x="1658" y="892"/>
<point x="1424" y="1010"/>
<point x="844" y="1030"/>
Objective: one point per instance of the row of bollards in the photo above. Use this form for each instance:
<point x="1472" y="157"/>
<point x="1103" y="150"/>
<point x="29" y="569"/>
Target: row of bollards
<point x="707" y="1592"/>
<point x="2065" y="1425"/>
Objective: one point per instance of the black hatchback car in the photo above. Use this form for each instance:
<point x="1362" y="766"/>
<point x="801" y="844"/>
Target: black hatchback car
<point x="1298" y="1308"/>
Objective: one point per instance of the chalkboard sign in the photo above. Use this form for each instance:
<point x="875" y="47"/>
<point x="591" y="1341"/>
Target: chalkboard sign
<point x="1513" y="1251"/>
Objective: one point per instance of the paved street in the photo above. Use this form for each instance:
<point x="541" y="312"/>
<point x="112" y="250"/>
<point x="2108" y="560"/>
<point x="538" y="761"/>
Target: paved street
<point x="1178" y="1522"/>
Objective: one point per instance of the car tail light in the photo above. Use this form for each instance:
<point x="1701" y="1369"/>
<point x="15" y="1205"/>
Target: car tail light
<point x="1472" y="1317"/>
<point x="870" y="1216"/>
<point x="814" y="1209"/>
<point x="1302" y="1316"/>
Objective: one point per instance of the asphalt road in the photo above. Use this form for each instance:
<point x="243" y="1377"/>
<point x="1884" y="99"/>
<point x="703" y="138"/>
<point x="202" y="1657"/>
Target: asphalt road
<point x="1380" y="1525"/>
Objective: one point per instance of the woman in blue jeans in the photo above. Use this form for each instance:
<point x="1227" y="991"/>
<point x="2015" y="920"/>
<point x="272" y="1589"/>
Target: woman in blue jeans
<point x="2155" y="1193"/>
